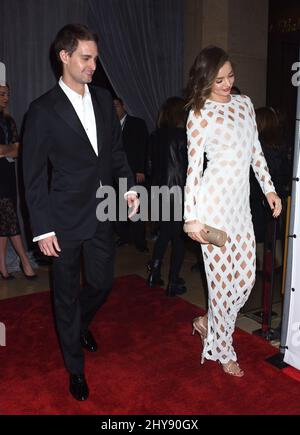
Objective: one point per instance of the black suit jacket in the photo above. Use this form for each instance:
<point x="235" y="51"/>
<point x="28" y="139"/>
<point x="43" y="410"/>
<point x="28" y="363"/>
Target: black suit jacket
<point x="135" y="138"/>
<point x="54" y="132"/>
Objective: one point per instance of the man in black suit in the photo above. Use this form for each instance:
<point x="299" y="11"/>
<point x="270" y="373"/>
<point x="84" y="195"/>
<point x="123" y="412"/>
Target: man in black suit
<point x="135" y="140"/>
<point x="75" y="127"/>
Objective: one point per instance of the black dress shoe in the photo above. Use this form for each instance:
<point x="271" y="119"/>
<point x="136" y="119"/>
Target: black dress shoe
<point x="88" y="342"/>
<point x="79" y="387"/>
<point x="154" y="277"/>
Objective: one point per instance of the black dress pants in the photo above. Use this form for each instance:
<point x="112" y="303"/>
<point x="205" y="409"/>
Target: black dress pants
<point x="75" y="307"/>
<point x="171" y="231"/>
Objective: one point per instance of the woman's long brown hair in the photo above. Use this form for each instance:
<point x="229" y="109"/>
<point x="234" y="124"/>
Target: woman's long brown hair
<point x="202" y="75"/>
<point x="268" y="127"/>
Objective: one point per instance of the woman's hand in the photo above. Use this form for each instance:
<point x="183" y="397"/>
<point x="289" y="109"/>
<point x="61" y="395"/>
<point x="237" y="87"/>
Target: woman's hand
<point x="197" y="235"/>
<point x="274" y="203"/>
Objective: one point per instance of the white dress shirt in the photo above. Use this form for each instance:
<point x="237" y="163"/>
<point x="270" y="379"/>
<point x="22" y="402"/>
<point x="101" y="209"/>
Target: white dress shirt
<point x="122" y="121"/>
<point x="83" y="106"/>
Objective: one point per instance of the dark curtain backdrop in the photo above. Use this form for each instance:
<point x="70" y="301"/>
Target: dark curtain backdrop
<point x="27" y="29"/>
<point x="141" y="50"/>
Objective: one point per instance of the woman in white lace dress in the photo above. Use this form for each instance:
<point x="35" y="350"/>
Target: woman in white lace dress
<point x="223" y="126"/>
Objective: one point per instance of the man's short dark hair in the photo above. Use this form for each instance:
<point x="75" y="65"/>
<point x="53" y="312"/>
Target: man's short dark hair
<point x="67" y="38"/>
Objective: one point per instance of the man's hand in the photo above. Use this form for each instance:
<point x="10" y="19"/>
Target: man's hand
<point x="274" y="203"/>
<point x="133" y="202"/>
<point x="49" y="246"/>
<point x="140" y="177"/>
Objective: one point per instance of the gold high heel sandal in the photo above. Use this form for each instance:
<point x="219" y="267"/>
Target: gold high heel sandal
<point x="232" y="368"/>
<point x="199" y="325"/>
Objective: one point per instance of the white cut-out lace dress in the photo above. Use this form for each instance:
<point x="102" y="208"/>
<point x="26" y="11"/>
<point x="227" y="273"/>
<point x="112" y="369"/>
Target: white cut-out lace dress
<point x="219" y="197"/>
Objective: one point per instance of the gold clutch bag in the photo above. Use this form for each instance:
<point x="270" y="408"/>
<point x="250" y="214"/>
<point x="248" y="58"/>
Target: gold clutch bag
<point x="214" y="236"/>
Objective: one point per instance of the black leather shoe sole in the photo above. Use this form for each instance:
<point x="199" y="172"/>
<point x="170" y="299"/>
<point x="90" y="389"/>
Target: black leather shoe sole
<point x="78" y="387"/>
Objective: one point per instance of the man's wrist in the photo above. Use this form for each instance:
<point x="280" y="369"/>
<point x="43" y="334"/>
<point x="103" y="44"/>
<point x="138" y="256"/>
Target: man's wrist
<point x="43" y="236"/>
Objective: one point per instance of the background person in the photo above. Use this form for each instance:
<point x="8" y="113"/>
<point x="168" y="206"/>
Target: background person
<point x="9" y="224"/>
<point x="135" y="141"/>
<point x="168" y="147"/>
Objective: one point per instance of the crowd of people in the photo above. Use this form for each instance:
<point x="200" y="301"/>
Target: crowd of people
<point x="204" y="143"/>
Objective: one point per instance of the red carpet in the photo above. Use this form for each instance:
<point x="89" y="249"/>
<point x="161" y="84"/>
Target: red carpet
<point x="148" y="362"/>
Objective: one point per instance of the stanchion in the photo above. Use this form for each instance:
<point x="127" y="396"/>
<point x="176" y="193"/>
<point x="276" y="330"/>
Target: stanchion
<point x="286" y="241"/>
<point x="269" y="286"/>
<point x="266" y="330"/>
